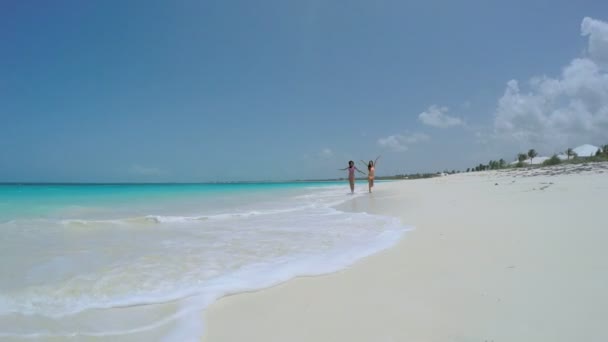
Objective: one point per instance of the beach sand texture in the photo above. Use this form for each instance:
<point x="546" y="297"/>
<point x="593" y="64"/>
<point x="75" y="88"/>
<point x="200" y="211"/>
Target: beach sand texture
<point x="516" y="255"/>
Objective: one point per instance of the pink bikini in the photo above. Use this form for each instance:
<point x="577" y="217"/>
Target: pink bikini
<point x="351" y="172"/>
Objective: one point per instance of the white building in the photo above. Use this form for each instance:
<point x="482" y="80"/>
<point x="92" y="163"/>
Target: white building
<point x="586" y="150"/>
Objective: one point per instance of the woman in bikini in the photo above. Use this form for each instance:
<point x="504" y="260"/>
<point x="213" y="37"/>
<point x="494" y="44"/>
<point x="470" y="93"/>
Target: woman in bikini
<point x="351" y="174"/>
<point x="371" y="169"/>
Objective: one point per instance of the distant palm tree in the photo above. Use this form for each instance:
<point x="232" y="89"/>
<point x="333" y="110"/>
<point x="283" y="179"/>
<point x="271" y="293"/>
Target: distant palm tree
<point x="570" y="153"/>
<point x="532" y="153"/>
<point x="501" y="163"/>
<point x="521" y="157"/>
<point x="605" y="150"/>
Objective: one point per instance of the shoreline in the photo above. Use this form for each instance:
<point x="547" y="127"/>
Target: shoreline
<point x="492" y="258"/>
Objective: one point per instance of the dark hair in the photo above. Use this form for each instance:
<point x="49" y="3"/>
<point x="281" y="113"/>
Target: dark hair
<point x="350" y="162"/>
<point x="370" y="164"/>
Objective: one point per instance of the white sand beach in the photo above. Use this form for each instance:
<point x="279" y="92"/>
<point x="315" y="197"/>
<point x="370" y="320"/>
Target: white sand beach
<point x="516" y="255"/>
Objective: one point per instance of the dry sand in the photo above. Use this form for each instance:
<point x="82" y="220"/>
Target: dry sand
<point x="495" y="256"/>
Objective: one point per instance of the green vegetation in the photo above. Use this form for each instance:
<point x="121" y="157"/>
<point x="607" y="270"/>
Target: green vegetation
<point x="570" y="153"/>
<point x="532" y="153"/>
<point x="600" y="156"/>
<point x="572" y="158"/>
<point x="583" y="160"/>
<point x="554" y="160"/>
<point x="481" y="167"/>
<point x="520" y="159"/>
<point x="492" y="165"/>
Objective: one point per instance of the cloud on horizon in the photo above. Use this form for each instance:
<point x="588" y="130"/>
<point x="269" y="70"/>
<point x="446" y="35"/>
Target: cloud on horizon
<point x="437" y="116"/>
<point x="569" y="109"/>
<point x="400" y="143"/>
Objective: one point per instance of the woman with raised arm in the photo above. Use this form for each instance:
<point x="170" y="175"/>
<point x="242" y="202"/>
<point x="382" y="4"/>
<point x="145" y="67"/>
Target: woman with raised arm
<point x="351" y="174"/>
<point x="371" y="172"/>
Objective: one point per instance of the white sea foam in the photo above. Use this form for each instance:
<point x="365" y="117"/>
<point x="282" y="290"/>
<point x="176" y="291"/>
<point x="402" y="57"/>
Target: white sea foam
<point x="109" y="280"/>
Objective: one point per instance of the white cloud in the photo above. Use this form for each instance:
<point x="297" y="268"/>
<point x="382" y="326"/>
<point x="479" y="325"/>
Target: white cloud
<point x="437" y="117"/>
<point x="394" y="142"/>
<point x="569" y="109"/>
<point x="597" y="31"/>
<point x="326" y="153"/>
<point x="400" y="142"/>
<point x="415" y="138"/>
<point x="139" y="170"/>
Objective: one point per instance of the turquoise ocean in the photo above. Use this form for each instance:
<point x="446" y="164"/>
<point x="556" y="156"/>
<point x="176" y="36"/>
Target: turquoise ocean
<point x="133" y="262"/>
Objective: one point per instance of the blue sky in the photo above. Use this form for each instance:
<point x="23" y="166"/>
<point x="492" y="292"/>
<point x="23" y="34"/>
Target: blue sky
<point x="109" y="91"/>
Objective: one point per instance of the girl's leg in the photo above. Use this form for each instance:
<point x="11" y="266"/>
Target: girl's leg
<point x="352" y="185"/>
<point x="370" y="184"/>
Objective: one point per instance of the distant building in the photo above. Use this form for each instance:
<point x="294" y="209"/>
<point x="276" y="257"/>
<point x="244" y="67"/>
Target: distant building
<point x="586" y="150"/>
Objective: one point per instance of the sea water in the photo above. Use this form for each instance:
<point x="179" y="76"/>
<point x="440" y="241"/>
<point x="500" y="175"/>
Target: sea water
<point x="141" y="262"/>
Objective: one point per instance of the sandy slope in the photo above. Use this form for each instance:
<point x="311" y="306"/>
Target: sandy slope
<point x="496" y="256"/>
